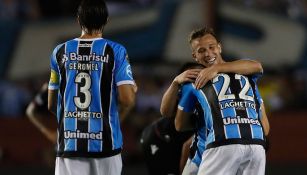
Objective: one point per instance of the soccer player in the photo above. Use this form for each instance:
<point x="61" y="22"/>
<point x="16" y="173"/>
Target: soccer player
<point x="200" y="78"/>
<point x="233" y="113"/>
<point x="90" y="88"/>
<point x="162" y="144"/>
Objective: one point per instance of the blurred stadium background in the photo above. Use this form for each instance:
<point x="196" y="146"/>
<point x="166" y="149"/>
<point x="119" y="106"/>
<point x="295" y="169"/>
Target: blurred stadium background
<point x="155" y="34"/>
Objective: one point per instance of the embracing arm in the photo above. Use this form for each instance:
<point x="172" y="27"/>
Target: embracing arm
<point x="183" y="121"/>
<point x="244" y="67"/>
<point x="169" y="99"/>
<point x="266" y="127"/>
<point x="265" y="121"/>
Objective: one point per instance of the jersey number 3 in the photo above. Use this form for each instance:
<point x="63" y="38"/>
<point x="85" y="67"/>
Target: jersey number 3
<point x="84" y="90"/>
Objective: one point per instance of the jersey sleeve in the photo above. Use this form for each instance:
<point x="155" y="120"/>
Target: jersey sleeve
<point x="187" y="100"/>
<point x="259" y="99"/>
<point x="123" y="71"/>
<point x="255" y="78"/>
<point x="258" y="96"/>
<point x="55" y="72"/>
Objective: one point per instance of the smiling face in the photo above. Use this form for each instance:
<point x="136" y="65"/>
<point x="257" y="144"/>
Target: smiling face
<point x="206" y="50"/>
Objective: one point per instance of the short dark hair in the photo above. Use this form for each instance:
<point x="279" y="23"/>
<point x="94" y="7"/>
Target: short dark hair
<point x="92" y="15"/>
<point x="198" y="33"/>
<point x="189" y="65"/>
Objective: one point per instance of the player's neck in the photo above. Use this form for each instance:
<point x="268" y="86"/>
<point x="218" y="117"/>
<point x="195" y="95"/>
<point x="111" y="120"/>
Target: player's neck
<point x="85" y="35"/>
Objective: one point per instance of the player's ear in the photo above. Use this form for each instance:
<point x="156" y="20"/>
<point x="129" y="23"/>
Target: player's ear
<point x="194" y="56"/>
<point x="220" y="47"/>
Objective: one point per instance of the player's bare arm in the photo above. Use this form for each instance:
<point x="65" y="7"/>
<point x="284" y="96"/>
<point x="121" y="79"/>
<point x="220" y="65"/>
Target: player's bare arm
<point x="185" y="153"/>
<point x="168" y="104"/>
<point x="265" y="121"/>
<point x="244" y="67"/>
<point x="183" y="121"/>
<point x="37" y="119"/>
<point x="126" y="98"/>
<point x="52" y="101"/>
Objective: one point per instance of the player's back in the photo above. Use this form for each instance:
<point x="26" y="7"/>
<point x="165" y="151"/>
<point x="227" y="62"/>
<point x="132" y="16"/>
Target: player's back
<point x="89" y="71"/>
<point x="234" y="103"/>
<point x="230" y="104"/>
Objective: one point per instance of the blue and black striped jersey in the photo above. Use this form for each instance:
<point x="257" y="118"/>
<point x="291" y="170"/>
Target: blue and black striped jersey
<point x="86" y="73"/>
<point x="231" y="110"/>
<point x="198" y="144"/>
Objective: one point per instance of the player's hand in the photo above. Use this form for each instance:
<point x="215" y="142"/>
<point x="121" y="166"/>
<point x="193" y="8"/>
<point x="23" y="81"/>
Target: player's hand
<point x="205" y="75"/>
<point x="187" y="76"/>
<point x="135" y="88"/>
<point x="51" y="136"/>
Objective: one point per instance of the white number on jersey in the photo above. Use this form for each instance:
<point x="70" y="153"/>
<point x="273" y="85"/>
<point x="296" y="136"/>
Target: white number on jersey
<point x="223" y="95"/>
<point x="83" y="89"/>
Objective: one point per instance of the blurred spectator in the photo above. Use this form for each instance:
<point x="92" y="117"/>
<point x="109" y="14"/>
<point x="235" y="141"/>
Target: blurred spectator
<point x="149" y="95"/>
<point x="299" y="86"/>
<point x="67" y="8"/>
<point x="270" y="88"/>
<point x="19" y="9"/>
<point x="50" y="8"/>
<point x="59" y="8"/>
<point x="14" y="99"/>
<point x="295" y="9"/>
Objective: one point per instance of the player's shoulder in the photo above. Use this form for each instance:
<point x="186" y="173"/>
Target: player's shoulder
<point x="62" y="44"/>
<point x="69" y="41"/>
<point x="188" y="85"/>
<point x="58" y="47"/>
<point x="115" y="45"/>
<point x="187" y="88"/>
